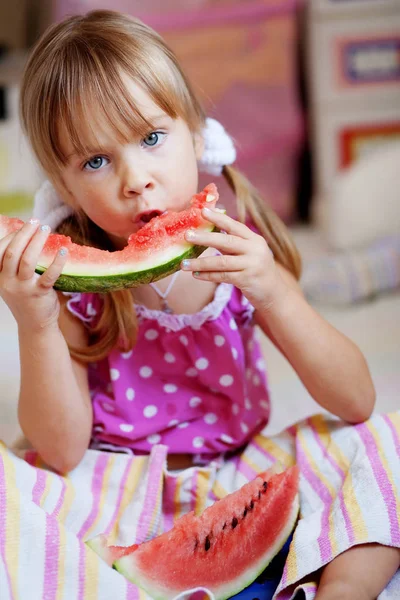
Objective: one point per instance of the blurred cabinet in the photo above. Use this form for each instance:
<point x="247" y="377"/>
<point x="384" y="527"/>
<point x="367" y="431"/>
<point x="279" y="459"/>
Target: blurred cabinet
<point x="354" y="81"/>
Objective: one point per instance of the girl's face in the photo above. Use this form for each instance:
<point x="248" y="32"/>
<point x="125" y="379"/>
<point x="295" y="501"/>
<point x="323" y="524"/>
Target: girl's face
<point x="120" y="186"/>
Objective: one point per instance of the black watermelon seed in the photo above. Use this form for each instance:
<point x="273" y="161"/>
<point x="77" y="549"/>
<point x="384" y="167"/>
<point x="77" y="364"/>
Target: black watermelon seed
<point x="245" y="512"/>
<point x="265" y="485"/>
<point x="207" y="544"/>
<point x="252" y="505"/>
<point x="234" y="522"/>
<point x="259" y="494"/>
<point x="223" y="526"/>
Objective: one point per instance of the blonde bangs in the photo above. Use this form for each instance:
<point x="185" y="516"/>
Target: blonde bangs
<point x="80" y="69"/>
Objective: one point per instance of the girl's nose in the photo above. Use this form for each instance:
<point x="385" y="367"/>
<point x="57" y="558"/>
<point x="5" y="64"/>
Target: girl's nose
<point x="135" y="180"/>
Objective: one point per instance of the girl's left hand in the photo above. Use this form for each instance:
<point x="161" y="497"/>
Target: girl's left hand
<point x="246" y="260"/>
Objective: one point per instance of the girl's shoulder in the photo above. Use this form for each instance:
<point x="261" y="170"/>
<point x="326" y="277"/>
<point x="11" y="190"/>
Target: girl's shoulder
<point x="87" y="307"/>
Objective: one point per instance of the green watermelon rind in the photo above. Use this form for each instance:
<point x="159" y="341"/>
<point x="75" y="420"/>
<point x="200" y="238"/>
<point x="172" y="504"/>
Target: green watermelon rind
<point x="107" y="283"/>
<point x="238" y="584"/>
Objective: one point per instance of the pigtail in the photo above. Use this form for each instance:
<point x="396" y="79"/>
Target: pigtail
<point x="251" y="206"/>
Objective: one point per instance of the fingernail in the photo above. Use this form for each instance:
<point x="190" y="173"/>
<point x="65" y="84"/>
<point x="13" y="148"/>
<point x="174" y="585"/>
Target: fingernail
<point x="44" y="228"/>
<point x="190" y="234"/>
<point x="33" y="221"/>
<point x="185" y="264"/>
<point x="207" y="211"/>
<point x="62" y="251"/>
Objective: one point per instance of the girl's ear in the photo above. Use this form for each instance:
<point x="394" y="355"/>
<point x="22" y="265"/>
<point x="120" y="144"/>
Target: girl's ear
<point x="198" y="145"/>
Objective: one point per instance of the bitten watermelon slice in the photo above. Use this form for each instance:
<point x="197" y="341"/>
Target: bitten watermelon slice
<point x="153" y="252"/>
<point x="223" y="550"/>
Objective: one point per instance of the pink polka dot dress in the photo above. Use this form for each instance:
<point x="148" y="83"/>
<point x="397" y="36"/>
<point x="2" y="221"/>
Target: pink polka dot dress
<point x="195" y="383"/>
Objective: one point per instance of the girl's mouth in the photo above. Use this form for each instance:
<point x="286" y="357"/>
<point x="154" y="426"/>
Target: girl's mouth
<point x="147" y="216"/>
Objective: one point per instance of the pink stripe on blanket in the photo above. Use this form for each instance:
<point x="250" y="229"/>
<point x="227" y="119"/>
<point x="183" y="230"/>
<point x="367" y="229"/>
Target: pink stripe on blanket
<point x="342" y="474"/>
<point x="51" y="559"/>
<point x="382" y="480"/>
<point x="393" y="431"/>
<point x="120" y="496"/>
<point x="322" y="491"/>
<point x="39" y="486"/>
<point x="154" y="482"/>
<point x="97" y="484"/>
<point x="3" y="524"/>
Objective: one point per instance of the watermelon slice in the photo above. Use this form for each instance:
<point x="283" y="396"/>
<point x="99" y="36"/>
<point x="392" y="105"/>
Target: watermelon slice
<point x="223" y="550"/>
<point x="153" y="252"/>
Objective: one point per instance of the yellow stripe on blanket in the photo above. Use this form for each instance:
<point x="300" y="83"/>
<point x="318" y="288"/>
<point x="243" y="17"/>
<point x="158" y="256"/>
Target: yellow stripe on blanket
<point x="352" y="505"/>
<point x="12" y="516"/>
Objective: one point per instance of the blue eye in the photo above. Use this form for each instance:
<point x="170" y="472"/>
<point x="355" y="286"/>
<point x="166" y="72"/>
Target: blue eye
<point x="154" y="138"/>
<point x="151" y="139"/>
<point x="95" y="163"/>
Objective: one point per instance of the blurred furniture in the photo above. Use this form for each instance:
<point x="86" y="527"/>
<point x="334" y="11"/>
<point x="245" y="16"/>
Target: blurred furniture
<point x="354" y="84"/>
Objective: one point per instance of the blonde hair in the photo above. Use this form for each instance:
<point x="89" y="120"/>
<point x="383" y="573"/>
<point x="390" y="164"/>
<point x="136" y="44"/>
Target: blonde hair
<point x="81" y="62"/>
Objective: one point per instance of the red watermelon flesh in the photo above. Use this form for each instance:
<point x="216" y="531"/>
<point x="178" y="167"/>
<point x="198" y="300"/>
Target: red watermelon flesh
<point x="224" y="549"/>
<point x="154" y="251"/>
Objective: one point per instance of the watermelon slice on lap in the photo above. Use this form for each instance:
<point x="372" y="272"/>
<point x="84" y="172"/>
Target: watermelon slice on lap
<point x="153" y="252"/>
<point x="223" y="550"/>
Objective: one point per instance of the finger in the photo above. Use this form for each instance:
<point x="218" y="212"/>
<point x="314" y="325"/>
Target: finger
<point x="223" y="221"/>
<point x="30" y="256"/>
<point x="217" y="276"/>
<point x="224" y="242"/>
<point x="53" y="272"/>
<point x="215" y="263"/>
<point x="11" y="254"/>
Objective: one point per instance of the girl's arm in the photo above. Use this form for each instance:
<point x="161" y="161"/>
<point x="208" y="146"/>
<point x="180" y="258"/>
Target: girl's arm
<point x="55" y="411"/>
<point x="331" y="366"/>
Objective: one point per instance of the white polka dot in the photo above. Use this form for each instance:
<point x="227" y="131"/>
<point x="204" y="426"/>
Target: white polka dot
<point x="191" y="372"/>
<point x="127" y="427"/>
<point x="248" y="404"/>
<point x="127" y="355"/>
<point x="183" y="425"/>
<point x="108" y="407"/>
<point x="195" y="401"/>
<point x="235" y="353"/>
<point x="226" y="380"/>
<point x="219" y="340"/>
<point x="154" y="438"/>
<point x="173" y="422"/>
<point x="169" y="357"/>
<point x="91" y="311"/>
<point x="210" y="418"/>
<point x="260" y="364"/>
<point x="248" y="373"/>
<point x="198" y="442"/>
<point x="114" y="374"/>
<point x="170" y="388"/>
<point x="226" y="438"/>
<point x="145" y="372"/>
<point x="98" y="428"/>
<point x="184" y="340"/>
<point x="235" y="409"/>
<point x="244" y="427"/>
<point x="151" y="334"/>
<point x="150" y="411"/>
<point x="264" y="404"/>
<point x="256" y="380"/>
<point x="202" y="363"/>
<point x="130" y="393"/>
<point x="232" y="324"/>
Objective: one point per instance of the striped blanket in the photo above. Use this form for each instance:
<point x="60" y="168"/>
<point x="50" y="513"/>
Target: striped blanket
<point x="349" y="494"/>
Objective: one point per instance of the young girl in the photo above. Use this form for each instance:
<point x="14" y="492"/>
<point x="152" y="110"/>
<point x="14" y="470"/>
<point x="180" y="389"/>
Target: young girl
<point x="165" y="383"/>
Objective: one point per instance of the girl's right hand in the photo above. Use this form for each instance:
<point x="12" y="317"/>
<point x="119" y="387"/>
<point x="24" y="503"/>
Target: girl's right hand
<point x="30" y="297"/>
